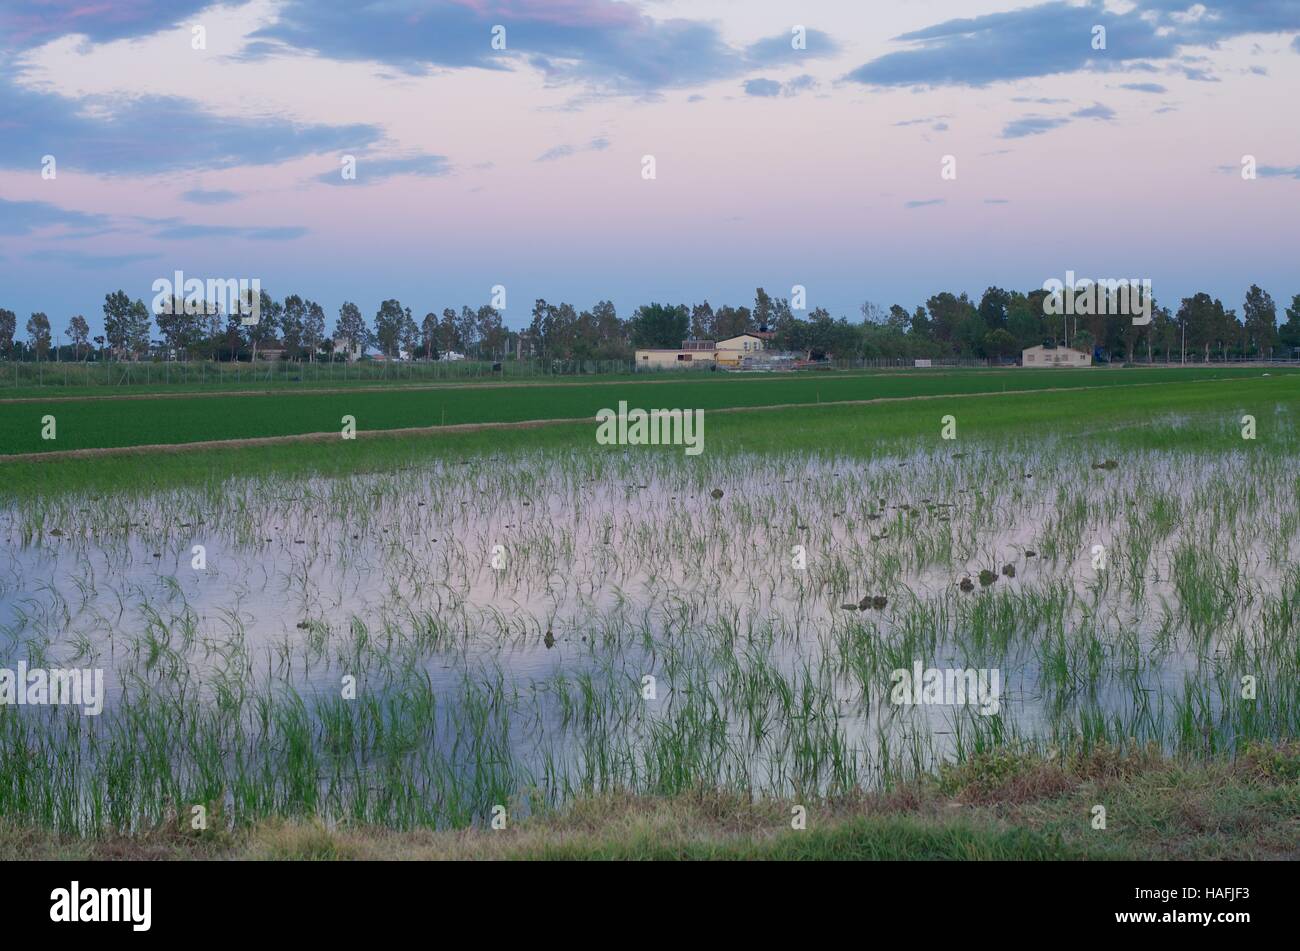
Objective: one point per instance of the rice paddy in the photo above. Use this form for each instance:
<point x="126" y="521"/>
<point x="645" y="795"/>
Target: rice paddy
<point x="425" y="643"/>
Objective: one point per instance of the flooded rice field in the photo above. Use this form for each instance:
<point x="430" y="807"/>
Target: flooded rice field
<point x="417" y="647"/>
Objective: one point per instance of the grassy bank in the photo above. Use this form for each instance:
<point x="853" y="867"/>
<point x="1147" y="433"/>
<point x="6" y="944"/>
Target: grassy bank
<point x="999" y="805"/>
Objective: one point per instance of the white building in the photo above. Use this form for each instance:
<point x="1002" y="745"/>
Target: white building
<point x="1042" y="356"/>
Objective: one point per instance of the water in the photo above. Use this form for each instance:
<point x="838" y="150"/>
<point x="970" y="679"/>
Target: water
<point x="499" y="618"/>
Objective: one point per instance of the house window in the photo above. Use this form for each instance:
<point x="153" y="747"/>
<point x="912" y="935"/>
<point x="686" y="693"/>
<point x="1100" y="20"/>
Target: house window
<point x="684" y="356"/>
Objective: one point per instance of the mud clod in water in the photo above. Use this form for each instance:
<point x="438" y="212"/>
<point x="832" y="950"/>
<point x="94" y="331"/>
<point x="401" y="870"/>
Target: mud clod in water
<point x="716" y="493"/>
<point x="987" y="577"/>
<point x="967" y="585"/>
<point x="1009" y="570"/>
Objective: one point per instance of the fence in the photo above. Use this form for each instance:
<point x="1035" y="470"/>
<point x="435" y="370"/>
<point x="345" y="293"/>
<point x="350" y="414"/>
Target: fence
<point x="287" y="373"/>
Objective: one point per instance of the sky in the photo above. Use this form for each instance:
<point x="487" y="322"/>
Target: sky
<point x="904" y="147"/>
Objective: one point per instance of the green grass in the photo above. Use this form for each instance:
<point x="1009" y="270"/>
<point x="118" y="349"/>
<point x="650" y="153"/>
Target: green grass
<point x="1001" y="806"/>
<point x="90" y="423"/>
<point x="1143" y="416"/>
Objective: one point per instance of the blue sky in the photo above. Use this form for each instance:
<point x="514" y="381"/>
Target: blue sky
<point x="478" y="163"/>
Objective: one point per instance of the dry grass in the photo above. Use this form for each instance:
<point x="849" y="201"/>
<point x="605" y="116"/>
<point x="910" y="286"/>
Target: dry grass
<point x="1000" y="805"/>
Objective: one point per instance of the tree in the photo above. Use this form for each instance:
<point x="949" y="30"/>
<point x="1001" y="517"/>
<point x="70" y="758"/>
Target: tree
<point x="1260" y="315"/>
<point x="182" y="324"/>
<point x="467" y="328"/>
<point x="491" y="333"/>
<point x="268" y="319"/>
<point x="138" y="327"/>
<point x="611" y="335"/>
<point x="313" y="328"/>
<point x="79" y="334"/>
<point x="352" y="327"/>
<point x="8" y="325"/>
<point x="729" y="322"/>
<point x="449" y="331"/>
<point x="408" y="333"/>
<point x="117" y="322"/>
<point x="1206" y="322"/>
<point x="1000" y="343"/>
<point x="701" y="321"/>
<point x="291" y="324"/>
<point x="948" y="314"/>
<point x="38" y="332"/>
<point x="1289" y="334"/>
<point x="762" y="309"/>
<point x="993" y="308"/>
<point x="660" y="325"/>
<point x="389" y="321"/>
<point x="429" y="335"/>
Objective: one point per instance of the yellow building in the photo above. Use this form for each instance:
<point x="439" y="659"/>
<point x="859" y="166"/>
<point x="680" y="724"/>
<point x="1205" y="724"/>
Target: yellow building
<point x="692" y="353"/>
<point x="733" y="350"/>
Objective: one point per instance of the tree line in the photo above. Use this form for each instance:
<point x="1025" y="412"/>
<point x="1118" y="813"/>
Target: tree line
<point x="997" y="326"/>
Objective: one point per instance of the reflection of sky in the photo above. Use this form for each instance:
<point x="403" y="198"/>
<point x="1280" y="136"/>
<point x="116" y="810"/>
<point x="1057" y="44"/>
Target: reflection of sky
<point x="627" y="567"/>
<point x="522" y="167"/>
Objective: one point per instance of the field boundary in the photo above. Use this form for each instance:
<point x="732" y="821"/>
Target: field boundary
<point x="305" y="390"/>
<point x="243" y="442"/>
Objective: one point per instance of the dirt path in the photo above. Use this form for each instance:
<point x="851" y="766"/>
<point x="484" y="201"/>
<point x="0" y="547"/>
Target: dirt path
<point x="525" y="424"/>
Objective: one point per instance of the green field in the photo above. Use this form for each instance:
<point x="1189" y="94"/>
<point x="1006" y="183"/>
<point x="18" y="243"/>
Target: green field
<point x="519" y="686"/>
<point x="103" y="423"/>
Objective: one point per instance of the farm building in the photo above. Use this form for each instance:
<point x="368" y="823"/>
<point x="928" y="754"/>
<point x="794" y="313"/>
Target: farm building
<point x="733" y="350"/>
<point x="691" y="353"/>
<point x="1044" y="356"/>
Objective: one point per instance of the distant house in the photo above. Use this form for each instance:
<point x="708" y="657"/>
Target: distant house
<point x="349" y="350"/>
<point x="733" y="350"/>
<point x="691" y="354"/>
<point x="1044" y="356"/>
<point x="270" y="350"/>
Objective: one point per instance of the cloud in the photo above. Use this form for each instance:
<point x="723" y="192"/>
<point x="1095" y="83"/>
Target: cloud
<point x="770" y="87"/>
<point x="85" y="261"/>
<point x="185" y="232"/>
<point x="24" y="217"/>
<point x="371" y="170"/>
<point x="1095" y="111"/>
<point x="1037" y="125"/>
<point x="602" y="42"/>
<point x="149" y="134"/>
<point x="598" y="144"/>
<point x="997" y="201"/>
<point x="1144" y="87"/>
<point x="799" y="84"/>
<point x="925" y="203"/>
<point x="198" y="196"/>
<point x="936" y="123"/>
<point x="1295" y="44"/>
<point x="1032" y="125"/>
<point x="1056" y="37"/>
<point x="25" y="25"/>
<point x="779" y="51"/>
